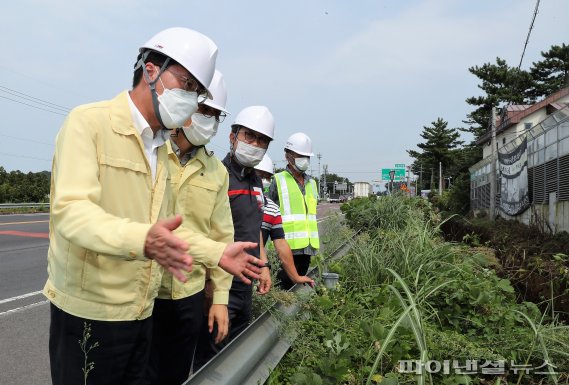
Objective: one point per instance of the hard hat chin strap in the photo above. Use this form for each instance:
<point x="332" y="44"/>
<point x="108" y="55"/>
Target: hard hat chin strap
<point x="152" y="84"/>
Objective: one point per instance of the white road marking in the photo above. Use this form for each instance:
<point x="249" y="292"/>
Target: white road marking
<point x="22" y="223"/>
<point x="24" y="307"/>
<point x="20" y="297"/>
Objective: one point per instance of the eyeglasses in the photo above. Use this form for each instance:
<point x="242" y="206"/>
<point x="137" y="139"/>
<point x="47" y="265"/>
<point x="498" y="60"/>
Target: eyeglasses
<point x="251" y="137"/>
<point x="210" y="112"/>
<point x="191" y="85"/>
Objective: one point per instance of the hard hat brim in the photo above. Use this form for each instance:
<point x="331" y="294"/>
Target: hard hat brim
<point x="300" y="152"/>
<point x="212" y="104"/>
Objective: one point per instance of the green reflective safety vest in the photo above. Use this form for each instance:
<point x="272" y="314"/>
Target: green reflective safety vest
<point x="298" y="211"/>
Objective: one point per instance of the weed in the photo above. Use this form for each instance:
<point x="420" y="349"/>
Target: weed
<point x="87" y="366"/>
<point x="408" y="295"/>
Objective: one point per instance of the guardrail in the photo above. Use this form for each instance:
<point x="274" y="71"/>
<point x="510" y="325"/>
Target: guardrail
<point x="253" y="354"/>
<point x="22" y="205"/>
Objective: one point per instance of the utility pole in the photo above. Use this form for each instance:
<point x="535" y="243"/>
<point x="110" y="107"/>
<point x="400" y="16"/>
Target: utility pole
<point x="440" y="178"/>
<point x="492" y="209"/>
<point x="391" y="176"/>
<point x="325" y="184"/>
<point x="319" y="156"/>
<point x="408" y="178"/>
<point x="420" y="187"/>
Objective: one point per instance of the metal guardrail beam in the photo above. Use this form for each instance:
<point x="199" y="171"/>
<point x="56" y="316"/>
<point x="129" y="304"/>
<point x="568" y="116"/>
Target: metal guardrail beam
<point x="22" y="205"/>
<point x="253" y="354"/>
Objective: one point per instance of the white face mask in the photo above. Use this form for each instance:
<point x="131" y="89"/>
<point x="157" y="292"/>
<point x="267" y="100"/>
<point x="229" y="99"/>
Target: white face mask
<point x="201" y="130"/>
<point x="266" y="184"/>
<point x="176" y="106"/>
<point x="248" y="155"/>
<point x="302" y="163"/>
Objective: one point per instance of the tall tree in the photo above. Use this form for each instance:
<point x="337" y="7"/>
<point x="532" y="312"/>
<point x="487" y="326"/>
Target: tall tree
<point x="552" y="73"/>
<point x="501" y="84"/>
<point x="437" y="147"/>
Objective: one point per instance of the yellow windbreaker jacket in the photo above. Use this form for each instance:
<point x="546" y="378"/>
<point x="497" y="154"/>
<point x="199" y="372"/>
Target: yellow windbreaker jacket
<point x="200" y="192"/>
<point x="102" y="204"/>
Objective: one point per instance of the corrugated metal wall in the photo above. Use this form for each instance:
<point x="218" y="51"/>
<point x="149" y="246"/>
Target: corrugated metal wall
<point x="548" y="169"/>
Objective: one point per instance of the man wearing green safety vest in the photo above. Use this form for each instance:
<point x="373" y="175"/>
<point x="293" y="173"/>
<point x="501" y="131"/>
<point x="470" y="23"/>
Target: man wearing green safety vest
<point x="297" y="196"/>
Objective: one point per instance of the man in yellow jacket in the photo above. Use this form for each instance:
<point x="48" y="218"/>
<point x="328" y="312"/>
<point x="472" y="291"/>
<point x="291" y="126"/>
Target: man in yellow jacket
<point x="199" y="183"/>
<point x="110" y="186"/>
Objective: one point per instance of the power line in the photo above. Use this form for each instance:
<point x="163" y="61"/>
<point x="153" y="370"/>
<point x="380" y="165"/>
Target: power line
<point x="24" y="156"/>
<point x="42" y="81"/>
<point x="28" y="140"/>
<point x="33" y="99"/>
<point x="535" y="12"/>
<point x="30" y="105"/>
<point x="44" y="103"/>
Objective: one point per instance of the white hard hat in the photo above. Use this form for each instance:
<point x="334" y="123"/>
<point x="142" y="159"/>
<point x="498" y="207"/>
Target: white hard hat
<point x="218" y="92"/>
<point x="191" y="49"/>
<point x="299" y="143"/>
<point x="257" y="118"/>
<point x="266" y="165"/>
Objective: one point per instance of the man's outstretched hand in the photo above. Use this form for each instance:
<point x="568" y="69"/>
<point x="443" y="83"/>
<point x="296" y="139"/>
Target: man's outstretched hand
<point x="303" y="279"/>
<point x="235" y="260"/>
<point x="167" y="249"/>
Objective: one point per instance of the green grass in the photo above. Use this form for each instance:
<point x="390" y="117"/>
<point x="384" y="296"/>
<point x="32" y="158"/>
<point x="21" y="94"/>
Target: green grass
<point x="24" y="210"/>
<point x="405" y="294"/>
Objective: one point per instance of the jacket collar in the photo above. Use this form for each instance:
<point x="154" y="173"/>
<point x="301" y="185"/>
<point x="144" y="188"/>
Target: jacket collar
<point x="198" y="153"/>
<point x="196" y="163"/>
<point x="120" y="115"/>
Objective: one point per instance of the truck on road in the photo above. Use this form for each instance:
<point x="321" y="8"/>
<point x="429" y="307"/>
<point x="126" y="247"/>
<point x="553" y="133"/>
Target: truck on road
<point x="362" y="189"/>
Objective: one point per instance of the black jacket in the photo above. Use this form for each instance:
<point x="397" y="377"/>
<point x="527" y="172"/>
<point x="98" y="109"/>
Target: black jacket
<point x="246" y="201"/>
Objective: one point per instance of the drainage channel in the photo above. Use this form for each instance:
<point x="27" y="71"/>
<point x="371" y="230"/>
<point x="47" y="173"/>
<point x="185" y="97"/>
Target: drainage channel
<point x="253" y="354"/>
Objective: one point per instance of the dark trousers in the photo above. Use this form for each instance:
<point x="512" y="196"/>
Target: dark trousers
<point x="302" y="263"/>
<point x="239" y="309"/>
<point x="105" y="352"/>
<point x="175" y="330"/>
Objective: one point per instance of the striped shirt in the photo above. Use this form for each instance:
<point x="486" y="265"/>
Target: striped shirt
<point x="272" y="225"/>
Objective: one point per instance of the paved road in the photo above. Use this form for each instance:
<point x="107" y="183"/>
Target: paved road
<point x="24" y="312"/>
<point x="325" y="209"/>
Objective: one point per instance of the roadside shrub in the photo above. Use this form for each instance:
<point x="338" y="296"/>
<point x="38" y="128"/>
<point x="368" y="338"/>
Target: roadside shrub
<point x="405" y="294"/>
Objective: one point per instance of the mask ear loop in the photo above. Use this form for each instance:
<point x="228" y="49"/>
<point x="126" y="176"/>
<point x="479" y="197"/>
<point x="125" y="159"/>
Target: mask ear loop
<point x="233" y="145"/>
<point x="188" y="139"/>
<point x="232" y="151"/>
<point x="291" y="161"/>
<point x="152" y="84"/>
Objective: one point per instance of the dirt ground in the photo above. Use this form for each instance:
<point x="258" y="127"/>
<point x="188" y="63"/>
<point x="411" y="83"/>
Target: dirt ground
<point x="535" y="262"/>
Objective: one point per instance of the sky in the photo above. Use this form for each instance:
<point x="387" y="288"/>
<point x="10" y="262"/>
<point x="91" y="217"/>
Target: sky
<point x="361" y="78"/>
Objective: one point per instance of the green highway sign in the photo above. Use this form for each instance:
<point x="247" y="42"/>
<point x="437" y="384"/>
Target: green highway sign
<point x="399" y="174"/>
<point x="399" y="165"/>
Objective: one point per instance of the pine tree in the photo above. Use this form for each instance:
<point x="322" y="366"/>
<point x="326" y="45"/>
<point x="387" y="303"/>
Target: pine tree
<point x="501" y="84"/>
<point x="437" y="147"/>
<point x="552" y="73"/>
